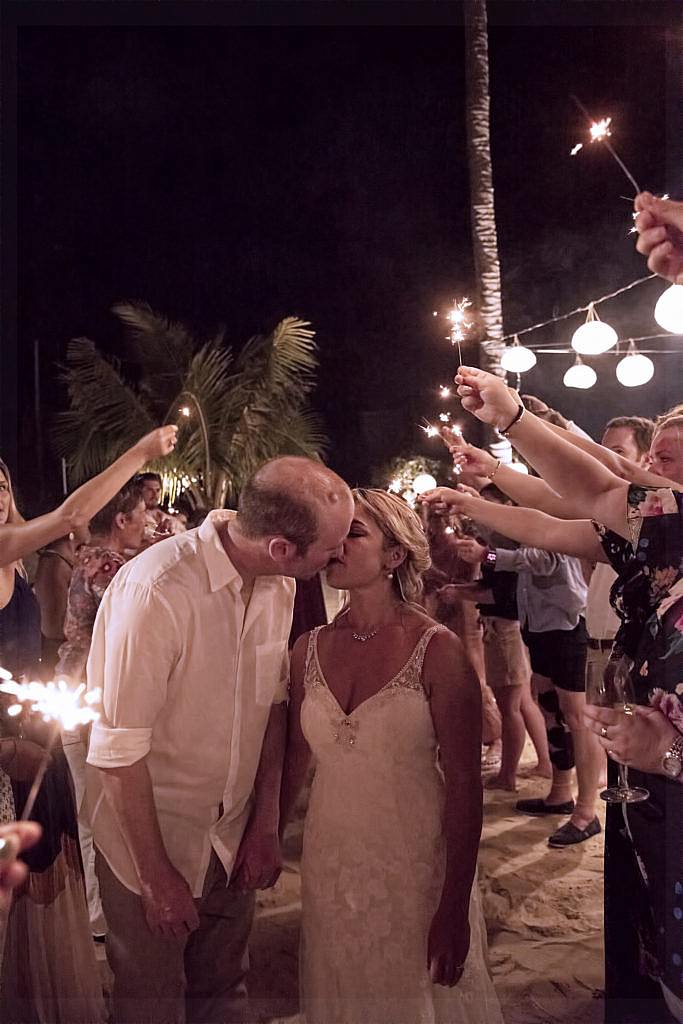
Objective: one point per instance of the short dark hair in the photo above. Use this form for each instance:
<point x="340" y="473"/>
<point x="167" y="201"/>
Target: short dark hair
<point x="273" y="512"/>
<point x="126" y="500"/>
<point x="143" y="478"/>
<point x="642" y="430"/>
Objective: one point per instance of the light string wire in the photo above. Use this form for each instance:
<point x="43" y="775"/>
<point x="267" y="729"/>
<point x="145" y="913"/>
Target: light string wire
<point x="580" y="309"/>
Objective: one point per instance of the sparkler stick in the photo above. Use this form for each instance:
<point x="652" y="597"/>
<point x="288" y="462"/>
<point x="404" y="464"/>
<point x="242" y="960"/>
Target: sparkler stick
<point x="599" y="132"/>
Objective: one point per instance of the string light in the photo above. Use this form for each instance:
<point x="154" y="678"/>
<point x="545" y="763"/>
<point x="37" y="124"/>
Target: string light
<point x="634" y="369"/>
<point x="516" y="358"/>
<point x="669" y="309"/>
<point x="594" y="337"/>
<point x="580" y="376"/>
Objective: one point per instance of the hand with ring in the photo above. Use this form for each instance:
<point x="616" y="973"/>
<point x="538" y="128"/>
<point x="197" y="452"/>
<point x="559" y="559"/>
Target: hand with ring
<point x="637" y="736"/>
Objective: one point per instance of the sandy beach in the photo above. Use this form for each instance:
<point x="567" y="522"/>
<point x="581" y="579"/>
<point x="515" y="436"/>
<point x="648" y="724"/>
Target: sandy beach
<point x="543" y="911"/>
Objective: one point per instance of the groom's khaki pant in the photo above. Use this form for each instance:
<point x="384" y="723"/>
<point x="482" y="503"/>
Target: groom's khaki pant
<point x="158" y="979"/>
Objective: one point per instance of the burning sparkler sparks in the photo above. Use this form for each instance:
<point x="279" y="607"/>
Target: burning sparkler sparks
<point x="600" y="132"/>
<point x="56" y="703"/>
<point x="460" y="324"/>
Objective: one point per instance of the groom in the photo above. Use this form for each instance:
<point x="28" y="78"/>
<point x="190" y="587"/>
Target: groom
<point x="190" y="650"/>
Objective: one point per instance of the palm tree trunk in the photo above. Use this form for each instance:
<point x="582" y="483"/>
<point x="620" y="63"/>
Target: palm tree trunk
<point x="483" y="216"/>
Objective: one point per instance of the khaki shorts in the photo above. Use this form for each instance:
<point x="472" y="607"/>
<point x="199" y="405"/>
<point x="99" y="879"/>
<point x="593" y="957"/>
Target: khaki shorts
<point x="505" y="656"/>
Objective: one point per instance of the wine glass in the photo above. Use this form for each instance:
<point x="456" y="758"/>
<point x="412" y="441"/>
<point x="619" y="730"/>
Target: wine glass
<point x="614" y="689"/>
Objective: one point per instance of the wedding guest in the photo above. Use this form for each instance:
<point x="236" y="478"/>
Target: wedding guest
<point x="44" y="977"/>
<point x="51" y="585"/>
<point x="644" y="933"/>
<point x="151" y="493"/>
<point x="190" y="650"/>
<point x="384" y="697"/>
<point x="508" y="671"/>
<point x="116" y="529"/>
<point x="659" y="223"/>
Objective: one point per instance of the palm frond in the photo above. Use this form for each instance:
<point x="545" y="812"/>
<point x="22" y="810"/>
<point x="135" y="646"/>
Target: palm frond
<point x="161" y="347"/>
<point x="106" y="415"/>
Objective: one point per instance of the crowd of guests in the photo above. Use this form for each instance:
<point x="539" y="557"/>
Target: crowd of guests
<point x="453" y="643"/>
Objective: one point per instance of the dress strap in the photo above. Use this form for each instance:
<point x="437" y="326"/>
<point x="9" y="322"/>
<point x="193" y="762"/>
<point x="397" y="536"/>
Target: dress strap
<point x="311" y="649"/>
<point x="422" y="645"/>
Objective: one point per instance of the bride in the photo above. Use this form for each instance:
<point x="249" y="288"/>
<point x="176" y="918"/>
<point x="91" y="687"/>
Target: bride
<point x="392" y="930"/>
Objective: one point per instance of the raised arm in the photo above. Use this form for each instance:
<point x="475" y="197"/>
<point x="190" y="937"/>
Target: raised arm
<point x="22" y="538"/>
<point x="525" y="525"/>
<point x="571" y="472"/>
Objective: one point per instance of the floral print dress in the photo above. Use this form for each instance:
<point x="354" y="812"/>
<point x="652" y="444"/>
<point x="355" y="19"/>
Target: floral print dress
<point x="648" y="597"/>
<point x="95" y="569"/>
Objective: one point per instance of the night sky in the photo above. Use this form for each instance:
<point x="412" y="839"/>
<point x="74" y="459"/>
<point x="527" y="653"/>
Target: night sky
<point x="238" y="174"/>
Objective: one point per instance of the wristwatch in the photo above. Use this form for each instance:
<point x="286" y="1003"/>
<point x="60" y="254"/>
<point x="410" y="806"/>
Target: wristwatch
<point x="490" y="558"/>
<point x="672" y="762"/>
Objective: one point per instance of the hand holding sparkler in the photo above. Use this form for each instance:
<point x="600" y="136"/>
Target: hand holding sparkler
<point x="659" y="223"/>
<point x="487" y="397"/>
<point x="14" y="839"/>
<point x="444" y="500"/>
<point x="158" y="443"/>
<point x="599" y="132"/>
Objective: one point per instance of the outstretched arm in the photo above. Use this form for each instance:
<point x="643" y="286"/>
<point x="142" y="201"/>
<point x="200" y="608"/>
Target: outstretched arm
<point x="20" y="539"/>
<point x="525" y="525"/>
<point x="599" y="493"/>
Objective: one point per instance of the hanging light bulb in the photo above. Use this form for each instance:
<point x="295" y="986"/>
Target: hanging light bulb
<point x="516" y="358"/>
<point x="423" y="482"/>
<point x="593" y="337"/>
<point x="580" y="376"/>
<point x="634" y="369"/>
<point x="669" y="309"/>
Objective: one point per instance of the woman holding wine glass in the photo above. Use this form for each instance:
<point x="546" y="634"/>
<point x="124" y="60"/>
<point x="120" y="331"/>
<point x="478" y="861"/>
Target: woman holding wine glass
<point x="642" y="533"/>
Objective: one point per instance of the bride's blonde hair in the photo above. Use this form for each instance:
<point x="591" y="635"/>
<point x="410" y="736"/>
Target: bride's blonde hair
<point x="400" y="525"/>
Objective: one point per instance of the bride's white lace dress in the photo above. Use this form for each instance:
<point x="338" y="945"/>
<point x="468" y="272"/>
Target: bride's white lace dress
<point x="373" y="862"/>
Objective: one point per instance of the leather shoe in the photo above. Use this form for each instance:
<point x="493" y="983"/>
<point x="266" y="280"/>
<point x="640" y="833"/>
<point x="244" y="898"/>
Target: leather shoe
<point x="569" y="834"/>
<point x="538" y="807"/>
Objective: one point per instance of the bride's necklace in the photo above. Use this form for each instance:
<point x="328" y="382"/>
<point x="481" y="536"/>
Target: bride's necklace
<point x="363" y="638"/>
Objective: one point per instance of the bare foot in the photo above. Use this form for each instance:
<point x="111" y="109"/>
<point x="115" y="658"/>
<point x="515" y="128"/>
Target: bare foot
<point x="545" y="771"/>
<point x="498" y="782"/>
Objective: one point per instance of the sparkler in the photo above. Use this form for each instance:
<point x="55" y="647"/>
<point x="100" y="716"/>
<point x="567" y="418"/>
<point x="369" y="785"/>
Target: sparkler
<point x="56" y="703"/>
<point x="443" y="432"/>
<point x="459" y="326"/>
<point x="600" y="132"/>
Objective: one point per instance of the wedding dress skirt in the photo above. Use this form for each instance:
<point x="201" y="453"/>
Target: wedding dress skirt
<point x="374" y="860"/>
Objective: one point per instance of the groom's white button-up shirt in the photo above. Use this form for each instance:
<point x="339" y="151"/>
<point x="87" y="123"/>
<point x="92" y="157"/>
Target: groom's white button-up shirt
<point x="188" y="676"/>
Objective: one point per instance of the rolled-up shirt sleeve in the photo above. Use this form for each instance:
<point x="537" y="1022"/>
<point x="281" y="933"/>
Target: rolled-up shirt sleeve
<point x="134" y="648"/>
<point x="533" y="560"/>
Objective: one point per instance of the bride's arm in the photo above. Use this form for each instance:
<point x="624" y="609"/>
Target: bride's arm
<point x="455" y="702"/>
<point x="297" y="753"/>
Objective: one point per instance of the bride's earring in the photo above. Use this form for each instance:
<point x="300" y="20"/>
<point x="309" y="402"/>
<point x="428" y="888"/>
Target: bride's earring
<point x="390" y="575"/>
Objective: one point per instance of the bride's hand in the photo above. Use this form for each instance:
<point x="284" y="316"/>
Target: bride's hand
<point x="447" y="947"/>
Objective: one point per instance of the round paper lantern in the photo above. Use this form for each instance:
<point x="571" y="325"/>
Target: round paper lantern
<point x="634" y="369"/>
<point x="593" y="338"/>
<point x="517" y="359"/>
<point x="669" y="309"/>
<point x="580" y="376"/>
<point x="423" y="482"/>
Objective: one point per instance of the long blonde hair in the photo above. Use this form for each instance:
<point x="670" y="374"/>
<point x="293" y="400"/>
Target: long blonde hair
<point x="14" y="515"/>
<point x="400" y="525"/>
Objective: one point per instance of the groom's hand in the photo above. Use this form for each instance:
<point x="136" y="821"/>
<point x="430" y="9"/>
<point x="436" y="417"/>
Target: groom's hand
<point x="168" y="904"/>
<point x="259" y="860"/>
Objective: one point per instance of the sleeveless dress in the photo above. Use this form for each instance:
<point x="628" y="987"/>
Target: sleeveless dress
<point x="374" y="859"/>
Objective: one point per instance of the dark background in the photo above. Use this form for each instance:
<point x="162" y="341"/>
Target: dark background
<point x="316" y="165"/>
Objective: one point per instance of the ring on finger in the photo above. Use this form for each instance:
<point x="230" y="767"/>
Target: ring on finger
<point x="628" y="709"/>
<point x="603" y="732"/>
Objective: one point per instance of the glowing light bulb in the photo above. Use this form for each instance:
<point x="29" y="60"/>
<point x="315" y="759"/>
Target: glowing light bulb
<point x="634" y="370"/>
<point x="423" y="482"/>
<point x="580" y="376"/>
<point x="517" y="359"/>
<point x="669" y="309"/>
<point x="594" y="337"/>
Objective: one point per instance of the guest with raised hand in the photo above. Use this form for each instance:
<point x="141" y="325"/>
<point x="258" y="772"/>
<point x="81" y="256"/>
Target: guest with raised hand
<point x="15" y="839"/>
<point x="19" y="537"/>
<point x="659" y="223"/>
<point x="387" y="702"/>
<point x="644" y="935"/>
